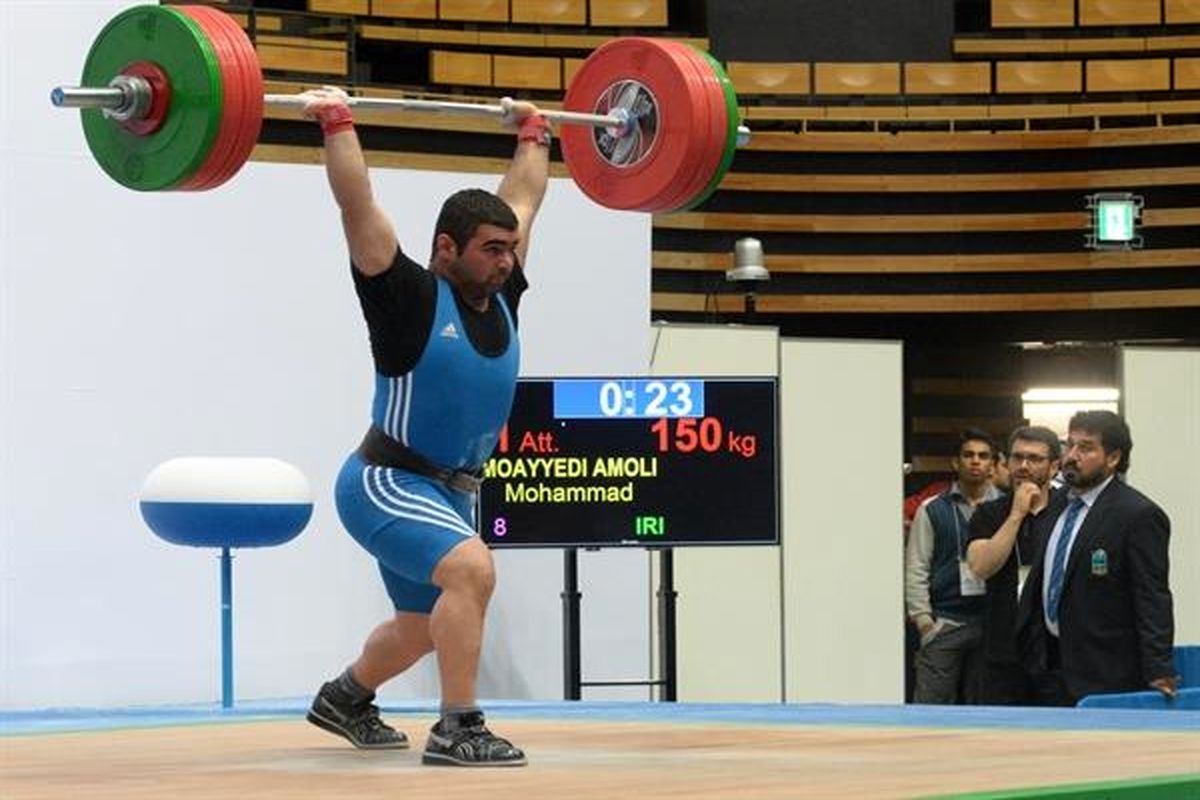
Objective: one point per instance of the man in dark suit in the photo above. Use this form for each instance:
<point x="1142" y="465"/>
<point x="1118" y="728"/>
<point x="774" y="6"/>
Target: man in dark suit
<point x="1003" y="538"/>
<point x="1095" y="613"/>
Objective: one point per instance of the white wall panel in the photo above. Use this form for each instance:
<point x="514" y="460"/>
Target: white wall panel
<point x="1161" y="399"/>
<point x="842" y="426"/>
<point x="728" y="619"/>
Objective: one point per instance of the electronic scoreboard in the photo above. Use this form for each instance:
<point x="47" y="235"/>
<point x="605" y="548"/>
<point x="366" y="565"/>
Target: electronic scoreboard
<point x="642" y="462"/>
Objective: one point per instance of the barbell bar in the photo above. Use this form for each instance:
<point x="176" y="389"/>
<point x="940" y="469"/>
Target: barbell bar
<point x="183" y="107"/>
<point x="117" y="98"/>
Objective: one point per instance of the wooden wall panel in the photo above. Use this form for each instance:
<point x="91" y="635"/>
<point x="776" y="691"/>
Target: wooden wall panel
<point x="769" y="77"/>
<point x="474" y="10"/>
<point x="352" y="7"/>
<point x="527" y="72"/>
<point x="295" y="54"/>
<point x="1182" y="12"/>
<point x="550" y="12"/>
<point x="1187" y="73"/>
<point x="955" y="78"/>
<point x="1129" y="75"/>
<point x="466" y="69"/>
<point x="1035" y="77"/>
<point x="860" y="78"/>
<point x="1033" y="13"/>
<point x="1120" y="12"/>
<point x="629" y="13"/>
<point x="569" y="67"/>
<point x="404" y="9"/>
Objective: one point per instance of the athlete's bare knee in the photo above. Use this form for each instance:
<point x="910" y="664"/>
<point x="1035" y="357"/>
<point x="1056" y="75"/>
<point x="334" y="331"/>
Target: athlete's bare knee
<point x="412" y="629"/>
<point x="467" y="568"/>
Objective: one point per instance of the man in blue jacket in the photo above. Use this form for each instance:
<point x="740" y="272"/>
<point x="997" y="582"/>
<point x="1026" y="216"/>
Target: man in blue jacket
<point x="943" y="598"/>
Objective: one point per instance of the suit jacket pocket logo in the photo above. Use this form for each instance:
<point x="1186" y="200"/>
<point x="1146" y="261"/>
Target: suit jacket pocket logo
<point x="1099" y="562"/>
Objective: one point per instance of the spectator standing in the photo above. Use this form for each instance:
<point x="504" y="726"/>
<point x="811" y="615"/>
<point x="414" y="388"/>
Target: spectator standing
<point x="943" y="599"/>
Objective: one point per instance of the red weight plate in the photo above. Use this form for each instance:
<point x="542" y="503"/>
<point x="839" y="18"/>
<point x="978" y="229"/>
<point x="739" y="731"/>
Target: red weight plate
<point x="232" y="101"/>
<point x="233" y="92"/>
<point x="243" y="114"/>
<point x="716" y="121"/>
<point x="710" y="144"/>
<point x="733" y="119"/>
<point x="697" y="145"/>
<point x="251" y="78"/>
<point x="666" y="86"/>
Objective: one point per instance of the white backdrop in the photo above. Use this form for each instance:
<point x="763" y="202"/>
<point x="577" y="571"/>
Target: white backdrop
<point x="137" y="327"/>
<point x="1160" y="390"/>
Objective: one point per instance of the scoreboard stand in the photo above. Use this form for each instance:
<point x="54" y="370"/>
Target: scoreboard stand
<point x="573" y="682"/>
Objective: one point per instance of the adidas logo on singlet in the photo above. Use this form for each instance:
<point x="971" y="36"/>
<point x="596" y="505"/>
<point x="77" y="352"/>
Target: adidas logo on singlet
<point x="449" y="332"/>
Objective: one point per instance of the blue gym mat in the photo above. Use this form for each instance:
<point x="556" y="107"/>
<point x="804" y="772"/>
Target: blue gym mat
<point x="1118" y="719"/>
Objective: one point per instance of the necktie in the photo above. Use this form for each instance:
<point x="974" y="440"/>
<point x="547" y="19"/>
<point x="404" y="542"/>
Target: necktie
<point x="1060" y="560"/>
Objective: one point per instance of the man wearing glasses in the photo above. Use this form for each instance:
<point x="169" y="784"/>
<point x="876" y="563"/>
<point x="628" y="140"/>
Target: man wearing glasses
<point x="1003" y="540"/>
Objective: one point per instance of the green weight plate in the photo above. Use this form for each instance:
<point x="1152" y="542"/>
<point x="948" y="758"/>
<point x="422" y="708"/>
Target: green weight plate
<point x="733" y="117"/>
<point x="175" y="43"/>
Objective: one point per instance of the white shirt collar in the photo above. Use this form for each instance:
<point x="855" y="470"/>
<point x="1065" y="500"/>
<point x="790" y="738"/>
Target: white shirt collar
<point x="1089" y="497"/>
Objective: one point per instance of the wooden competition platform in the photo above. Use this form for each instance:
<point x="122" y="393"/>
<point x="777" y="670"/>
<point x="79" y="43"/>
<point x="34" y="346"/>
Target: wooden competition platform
<point x="588" y="750"/>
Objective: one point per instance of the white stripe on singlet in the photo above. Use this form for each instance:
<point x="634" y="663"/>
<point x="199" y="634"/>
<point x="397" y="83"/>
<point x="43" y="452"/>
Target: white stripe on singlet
<point x="395" y="501"/>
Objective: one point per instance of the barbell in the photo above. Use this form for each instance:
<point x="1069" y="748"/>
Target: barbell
<point x="171" y="98"/>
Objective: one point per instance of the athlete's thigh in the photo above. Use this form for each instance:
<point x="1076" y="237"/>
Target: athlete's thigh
<point x="408" y="522"/>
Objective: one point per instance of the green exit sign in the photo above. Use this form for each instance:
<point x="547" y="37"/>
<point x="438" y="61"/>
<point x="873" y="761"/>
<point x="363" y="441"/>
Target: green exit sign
<point x="1114" y="220"/>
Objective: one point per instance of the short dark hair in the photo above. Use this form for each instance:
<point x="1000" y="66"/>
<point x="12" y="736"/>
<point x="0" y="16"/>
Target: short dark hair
<point x="465" y="210"/>
<point x="976" y="435"/>
<point x="1037" y="433"/>
<point x="1113" y="432"/>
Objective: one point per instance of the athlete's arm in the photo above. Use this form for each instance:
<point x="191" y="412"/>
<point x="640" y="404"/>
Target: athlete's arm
<point x="369" y="232"/>
<point x="524" y="185"/>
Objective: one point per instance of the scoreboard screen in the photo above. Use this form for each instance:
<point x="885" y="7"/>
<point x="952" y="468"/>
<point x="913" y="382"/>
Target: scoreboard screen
<point x="635" y="462"/>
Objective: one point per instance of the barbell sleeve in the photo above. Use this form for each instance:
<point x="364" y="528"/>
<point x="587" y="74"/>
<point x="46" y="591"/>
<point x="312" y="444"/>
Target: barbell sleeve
<point x="80" y="97"/>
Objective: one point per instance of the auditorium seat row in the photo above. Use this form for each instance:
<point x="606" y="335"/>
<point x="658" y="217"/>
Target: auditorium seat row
<point x="1092" y="13"/>
<point x="597" y="13"/>
<point x="965" y="78"/>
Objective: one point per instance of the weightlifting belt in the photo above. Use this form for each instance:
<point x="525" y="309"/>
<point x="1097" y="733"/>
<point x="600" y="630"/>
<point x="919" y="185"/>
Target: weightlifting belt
<point x="381" y="450"/>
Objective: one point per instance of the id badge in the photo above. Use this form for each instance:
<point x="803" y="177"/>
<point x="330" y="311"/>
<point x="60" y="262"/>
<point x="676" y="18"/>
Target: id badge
<point x="970" y="585"/>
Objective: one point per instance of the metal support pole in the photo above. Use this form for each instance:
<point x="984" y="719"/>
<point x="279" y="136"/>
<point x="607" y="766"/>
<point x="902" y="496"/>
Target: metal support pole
<point x="226" y="628"/>
<point x="751" y="305"/>
<point x="572" y="671"/>
<point x="666" y="623"/>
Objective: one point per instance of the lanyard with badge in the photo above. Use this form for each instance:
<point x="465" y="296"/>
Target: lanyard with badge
<point x="969" y="584"/>
<point x="1022" y="567"/>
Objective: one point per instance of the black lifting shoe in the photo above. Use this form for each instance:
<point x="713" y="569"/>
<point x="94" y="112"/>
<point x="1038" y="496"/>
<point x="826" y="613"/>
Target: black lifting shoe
<point x="470" y="744"/>
<point x="333" y="710"/>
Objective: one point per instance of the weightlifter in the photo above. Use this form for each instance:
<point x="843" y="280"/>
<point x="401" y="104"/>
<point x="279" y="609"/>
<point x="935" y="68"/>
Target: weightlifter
<point x="445" y="348"/>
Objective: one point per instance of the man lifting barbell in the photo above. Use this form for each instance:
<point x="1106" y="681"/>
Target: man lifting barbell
<point x="172" y="99"/>
<point x="444" y="342"/>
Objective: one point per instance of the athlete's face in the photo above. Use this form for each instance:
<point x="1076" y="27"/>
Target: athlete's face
<point x="485" y="263"/>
